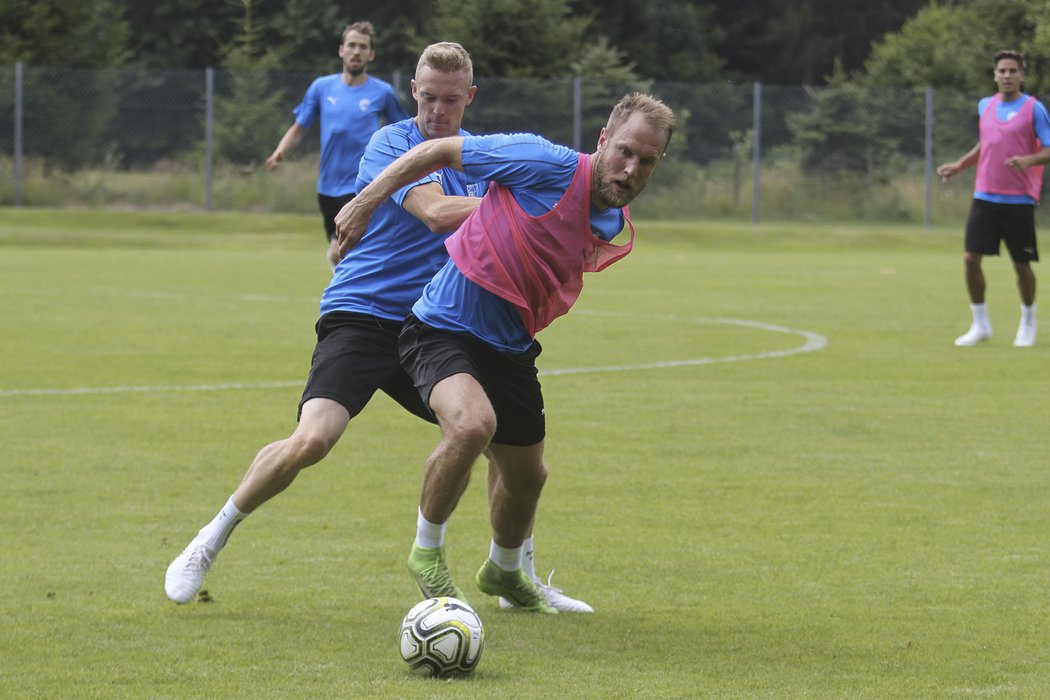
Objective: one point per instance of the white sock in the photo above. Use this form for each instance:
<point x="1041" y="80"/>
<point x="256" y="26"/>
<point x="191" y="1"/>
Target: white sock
<point x="506" y="559"/>
<point x="1027" y="315"/>
<point x="215" y="533"/>
<point x="980" y="315"/>
<point x="429" y="535"/>
<point x="527" y="563"/>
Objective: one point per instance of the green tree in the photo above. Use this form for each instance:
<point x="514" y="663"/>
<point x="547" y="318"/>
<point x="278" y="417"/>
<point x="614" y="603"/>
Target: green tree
<point x="80" y="33"/>
<point x="167" y="34"/>
<point x="510" y="38"/>
<point x="951" y="46"/>
<point x="851" y="128"/>
<point x="248" y="108"/>
<point x="798" y="42"/>
<point x="665" y="39"/>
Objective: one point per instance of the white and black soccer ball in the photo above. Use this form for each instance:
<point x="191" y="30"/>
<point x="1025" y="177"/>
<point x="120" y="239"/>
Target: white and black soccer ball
<point x="442" y="637"/>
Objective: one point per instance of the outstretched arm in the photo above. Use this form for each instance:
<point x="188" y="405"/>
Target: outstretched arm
<point x="429" y="156"/>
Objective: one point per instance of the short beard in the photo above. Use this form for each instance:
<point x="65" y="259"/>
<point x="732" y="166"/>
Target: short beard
<point x="356" y="71"/>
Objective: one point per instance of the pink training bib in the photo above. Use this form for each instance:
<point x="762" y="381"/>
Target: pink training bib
<point x="535" y="262"/>
<point x="1002" y="140"/>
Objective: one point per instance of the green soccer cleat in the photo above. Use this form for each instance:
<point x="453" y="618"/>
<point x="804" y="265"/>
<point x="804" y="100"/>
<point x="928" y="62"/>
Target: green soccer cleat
<point x="515" y="586"/>
<point x="431" y="572"/>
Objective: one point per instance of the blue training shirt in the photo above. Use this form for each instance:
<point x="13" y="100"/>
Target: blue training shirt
<point x="384" y="273"/>
<point x="537" y="172"/>
<point x="1041" y="124"/>
<point x="349" y="115"/>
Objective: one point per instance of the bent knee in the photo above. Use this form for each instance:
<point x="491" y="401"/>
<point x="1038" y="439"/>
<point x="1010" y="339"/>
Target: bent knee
<point x="309" y="447"/>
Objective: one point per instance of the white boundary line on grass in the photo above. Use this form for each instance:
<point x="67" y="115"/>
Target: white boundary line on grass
<point x="814" y="342"/>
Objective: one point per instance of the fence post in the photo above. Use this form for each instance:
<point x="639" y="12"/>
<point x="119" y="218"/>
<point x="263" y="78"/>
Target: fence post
<point x="928" y="209"/>
<point x="756" y="156"/>
<point x="18" y="134"/>
<point x="577" y="112"/>
<point x="209" y="131"/>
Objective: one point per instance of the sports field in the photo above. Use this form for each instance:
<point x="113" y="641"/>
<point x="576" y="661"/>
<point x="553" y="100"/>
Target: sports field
<point x="771" y="473"/>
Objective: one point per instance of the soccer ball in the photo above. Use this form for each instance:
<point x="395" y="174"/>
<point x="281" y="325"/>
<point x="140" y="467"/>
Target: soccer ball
<point x="442" y="637"/>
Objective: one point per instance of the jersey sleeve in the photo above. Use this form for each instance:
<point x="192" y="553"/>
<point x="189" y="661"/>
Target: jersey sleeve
<point x="518" y="161"/>
<point x="308" y="110"/>
<point x="385" y="146"/>
<point x="1041" y="123"/>
<point x="392" y="109"/>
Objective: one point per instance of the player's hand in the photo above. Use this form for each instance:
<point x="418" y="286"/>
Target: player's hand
<point x="946" y="171"/>
<point x="274" y="160"/>
<point x="350" y="224"/>
<point x="1015" y="163"/>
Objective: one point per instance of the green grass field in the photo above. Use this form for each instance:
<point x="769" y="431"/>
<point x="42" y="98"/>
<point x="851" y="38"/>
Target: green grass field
<point x="751" y="512"/>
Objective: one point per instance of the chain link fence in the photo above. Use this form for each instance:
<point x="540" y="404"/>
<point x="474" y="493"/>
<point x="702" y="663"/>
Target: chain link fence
<point x="198" y="140"/>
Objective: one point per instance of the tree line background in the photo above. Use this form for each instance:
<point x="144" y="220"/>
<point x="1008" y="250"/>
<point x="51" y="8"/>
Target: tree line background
<point x="112" y="86"/>
<point x="803" y="42"/>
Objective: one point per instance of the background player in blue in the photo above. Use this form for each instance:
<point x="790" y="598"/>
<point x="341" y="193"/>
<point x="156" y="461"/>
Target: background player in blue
<point x="371" y="291"/>
<point x="351" y="106"/>
<point x="1014" y="145"/>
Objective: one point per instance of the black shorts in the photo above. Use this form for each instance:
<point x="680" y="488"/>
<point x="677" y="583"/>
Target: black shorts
<point x="509" y="379"/>
<point x="329" y="207"/>
<point x="355" y="355"/>
<point x="991" y="223"/>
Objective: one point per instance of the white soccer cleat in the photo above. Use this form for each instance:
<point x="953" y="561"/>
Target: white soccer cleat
<point x="1025" y="337"/>
<point x="976" y="334"/>
<point x="185" y="575"/>
<point x="555" y="598"/>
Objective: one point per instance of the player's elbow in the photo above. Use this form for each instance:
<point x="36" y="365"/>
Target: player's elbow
<point x="438" y="221"/>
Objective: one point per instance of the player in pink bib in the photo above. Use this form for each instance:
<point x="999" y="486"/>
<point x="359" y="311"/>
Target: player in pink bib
<point x="516" y="264"/>
<point x="1011" y="152"/>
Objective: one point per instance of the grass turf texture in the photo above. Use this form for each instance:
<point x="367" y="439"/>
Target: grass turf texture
<point x="866" y="520"/>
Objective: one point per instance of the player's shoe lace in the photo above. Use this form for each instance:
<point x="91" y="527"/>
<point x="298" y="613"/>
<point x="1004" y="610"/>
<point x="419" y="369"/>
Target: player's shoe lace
<point x="557" y="599"/>
<point x="431" y="573"/>
<point x="185" y="574"/>
<point x="515" y="586"/>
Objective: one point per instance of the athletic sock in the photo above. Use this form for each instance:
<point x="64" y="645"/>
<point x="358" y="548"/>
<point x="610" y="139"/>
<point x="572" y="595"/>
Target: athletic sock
<point x="214" y="534"/>
<point x="980" y="315"/>
<point x="1027" y="315"/>
<point x="429" y="535"/>
<point x="528" y="565"/>
<point x="506" y="559"/>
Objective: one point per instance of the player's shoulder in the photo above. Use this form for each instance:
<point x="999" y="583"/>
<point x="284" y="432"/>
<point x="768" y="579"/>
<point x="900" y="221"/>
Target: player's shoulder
<point x="324" y="80"/>
<point x="396" y="136"/>
<point x="1038" y="104"/>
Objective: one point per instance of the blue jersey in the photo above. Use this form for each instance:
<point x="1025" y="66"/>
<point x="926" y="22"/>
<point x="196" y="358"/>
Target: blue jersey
<point x="384" y="273"/>
<point x="537" y="172"/>
<point x="349" y="115"/>
<point x="1041" y="125"/>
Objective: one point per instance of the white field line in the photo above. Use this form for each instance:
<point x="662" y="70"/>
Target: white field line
<point x="813" y="342"/>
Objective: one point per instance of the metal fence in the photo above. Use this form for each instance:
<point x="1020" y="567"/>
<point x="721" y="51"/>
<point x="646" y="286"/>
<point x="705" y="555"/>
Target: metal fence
<point x="740" y="150"/>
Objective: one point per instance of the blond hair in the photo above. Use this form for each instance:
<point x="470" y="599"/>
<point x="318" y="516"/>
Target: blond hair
<point x="447" y="57"/>
<point x="657" y="115"/>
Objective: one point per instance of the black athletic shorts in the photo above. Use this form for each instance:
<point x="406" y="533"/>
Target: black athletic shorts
<point x="509" y="379"/>
<point x="329" y="207"/>
<point x="991" y="223"/>
<point x="355" y="355"/>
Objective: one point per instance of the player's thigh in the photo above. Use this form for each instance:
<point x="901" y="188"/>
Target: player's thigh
<point x="984" y="228"/>
<point x="355" y="355"/>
